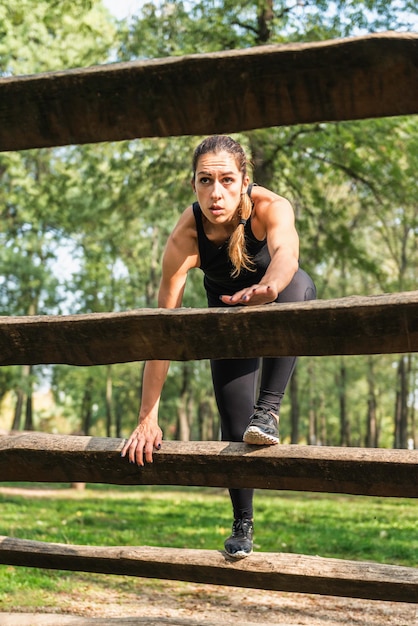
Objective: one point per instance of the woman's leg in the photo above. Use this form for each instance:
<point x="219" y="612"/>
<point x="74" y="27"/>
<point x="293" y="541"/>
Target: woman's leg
<point x="235" y="382"/>
<point x="276" y="372"/>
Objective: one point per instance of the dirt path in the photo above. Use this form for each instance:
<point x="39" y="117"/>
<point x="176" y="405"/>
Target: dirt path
<point x="183" y="604"/>
<point x="186" y="604"/>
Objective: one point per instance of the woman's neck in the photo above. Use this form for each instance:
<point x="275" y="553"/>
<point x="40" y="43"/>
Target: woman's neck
<point x="218" y="234"/>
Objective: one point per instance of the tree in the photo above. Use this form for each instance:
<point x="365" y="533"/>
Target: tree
<point x="35" y="38"/>
<point x="39" y="36"/>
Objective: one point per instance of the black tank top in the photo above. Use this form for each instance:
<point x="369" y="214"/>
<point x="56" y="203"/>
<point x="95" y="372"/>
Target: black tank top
<point x="217" y="268"/>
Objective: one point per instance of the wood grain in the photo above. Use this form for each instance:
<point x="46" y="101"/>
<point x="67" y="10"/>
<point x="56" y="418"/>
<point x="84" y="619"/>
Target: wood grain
<point x="343" y="79"/>
<point x="40" y="457"/>
<point x="269" y="571"/>
<point x="383" y="324"/>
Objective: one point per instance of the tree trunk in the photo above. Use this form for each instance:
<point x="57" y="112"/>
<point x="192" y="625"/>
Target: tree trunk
<point x="78" y="486"/>
<point x="20" y="396"/>
<point x="29" y="399"/>
<point x="183" y="421"/>
<point x="294" y="408"/>
<point x="414" y="404"/>
<point x="151" y="288"/>
<point x="264" y="21"/>
<point x="86" y="408"/>
<point x="401" y="406"/>
<point x="345" y="439"/>
<point x="312" y="429"/>
<point x="109" y="394"/>
<point x="29" y="412"/>
<point x="208" y="425"/>
<point x="24" y="397"/>
<point x="323" y="421"/>
<point x="372" y="427"/>
<point x="118" y="416"/>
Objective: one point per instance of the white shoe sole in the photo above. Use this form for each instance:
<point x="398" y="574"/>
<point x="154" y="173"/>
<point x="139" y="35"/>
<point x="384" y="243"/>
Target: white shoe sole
<point x="256" y="436"/>
<point x="238" y="555"/>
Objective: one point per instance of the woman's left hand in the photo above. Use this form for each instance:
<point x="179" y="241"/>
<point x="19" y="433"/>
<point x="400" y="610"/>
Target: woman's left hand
<point x="251" y="296"/>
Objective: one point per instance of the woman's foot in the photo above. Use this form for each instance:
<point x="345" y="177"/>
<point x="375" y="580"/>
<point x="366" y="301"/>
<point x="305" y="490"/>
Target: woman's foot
<point x="240" y="543"/>
<point x="263" y="428"/>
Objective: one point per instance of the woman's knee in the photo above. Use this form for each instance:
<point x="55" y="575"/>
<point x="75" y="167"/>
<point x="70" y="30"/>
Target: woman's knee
<point x="300" y="289"/>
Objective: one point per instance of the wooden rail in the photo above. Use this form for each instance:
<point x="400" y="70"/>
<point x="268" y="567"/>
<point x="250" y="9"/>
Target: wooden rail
<point x="352" y="325"/>
<point x="361" y="471"/>
<point x="277" y="572"/>
<point x="347" y="79"/>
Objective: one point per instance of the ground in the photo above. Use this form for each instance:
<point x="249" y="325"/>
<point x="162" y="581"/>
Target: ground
<point x="186" y="604"/>
<point x="170" y="603"/>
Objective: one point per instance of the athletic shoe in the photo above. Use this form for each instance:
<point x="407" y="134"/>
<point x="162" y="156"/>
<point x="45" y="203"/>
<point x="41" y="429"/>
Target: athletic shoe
<point x="263" y="428"/>
<point x="240" y="543"/>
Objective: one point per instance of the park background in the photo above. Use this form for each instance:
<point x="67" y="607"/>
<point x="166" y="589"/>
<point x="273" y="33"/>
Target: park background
<point x="83" y="227"/>
<point x="82" y="231"/>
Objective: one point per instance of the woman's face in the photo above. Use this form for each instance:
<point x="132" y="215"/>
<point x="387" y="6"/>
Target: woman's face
<point x="218" y="184"/>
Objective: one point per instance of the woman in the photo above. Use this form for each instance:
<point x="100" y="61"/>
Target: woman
<point x="244" y="239"/>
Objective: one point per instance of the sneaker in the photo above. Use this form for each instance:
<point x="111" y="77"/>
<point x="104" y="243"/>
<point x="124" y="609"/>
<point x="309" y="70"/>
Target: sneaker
<point x="263" y="428"/>
<point x="240" y="543"/>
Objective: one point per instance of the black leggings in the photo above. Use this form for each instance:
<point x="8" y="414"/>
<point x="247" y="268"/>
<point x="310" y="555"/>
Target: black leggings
<point x="235" y="382"/>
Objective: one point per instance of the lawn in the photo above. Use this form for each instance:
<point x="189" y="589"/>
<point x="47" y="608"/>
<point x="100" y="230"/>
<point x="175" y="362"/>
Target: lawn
<point x="384" y="530"/>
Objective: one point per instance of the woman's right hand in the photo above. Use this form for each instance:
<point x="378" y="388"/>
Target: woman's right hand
<point x="181" y="254"/>
<point x="146" y="438"/>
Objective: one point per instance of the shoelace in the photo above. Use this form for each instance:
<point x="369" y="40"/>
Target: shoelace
<point x="241" y="527"/>
<point x="264" y="415"/>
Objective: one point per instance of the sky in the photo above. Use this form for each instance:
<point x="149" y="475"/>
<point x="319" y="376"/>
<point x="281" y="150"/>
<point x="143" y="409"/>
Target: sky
<point x="122" y="8"/>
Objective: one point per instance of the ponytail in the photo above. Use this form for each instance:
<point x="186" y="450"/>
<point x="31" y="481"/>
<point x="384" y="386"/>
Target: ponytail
<point x="237" y="249"/>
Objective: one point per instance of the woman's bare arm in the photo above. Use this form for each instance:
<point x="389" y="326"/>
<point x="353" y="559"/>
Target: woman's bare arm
<point x="180" y="255"/>
<point x="273" y="217"/>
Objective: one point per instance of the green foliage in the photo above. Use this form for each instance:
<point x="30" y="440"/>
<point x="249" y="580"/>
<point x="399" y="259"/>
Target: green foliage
<point x="38" y="36"/>
<point x="165" y="28"/>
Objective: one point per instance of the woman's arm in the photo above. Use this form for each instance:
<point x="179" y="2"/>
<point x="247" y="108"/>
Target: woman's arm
<point x="180" y="255"/>
<point x="273" y="217"/>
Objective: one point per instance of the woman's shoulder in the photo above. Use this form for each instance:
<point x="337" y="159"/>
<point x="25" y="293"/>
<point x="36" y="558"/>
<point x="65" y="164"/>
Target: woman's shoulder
<point x="262" y="194"/>
<point x="184" y="231"/>
<point x="186" y="219"/>
<point x="265" y="200"/>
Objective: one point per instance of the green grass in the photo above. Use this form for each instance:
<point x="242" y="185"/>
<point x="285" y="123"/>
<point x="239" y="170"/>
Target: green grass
<point x="383" y="530"/>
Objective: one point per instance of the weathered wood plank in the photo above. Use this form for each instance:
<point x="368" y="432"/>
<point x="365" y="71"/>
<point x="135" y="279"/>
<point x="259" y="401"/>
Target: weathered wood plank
<point x="352" y="325"/>
<point x="277" y="572"/>
<point x="360" y="471"/>
<point x="354" y="78"/>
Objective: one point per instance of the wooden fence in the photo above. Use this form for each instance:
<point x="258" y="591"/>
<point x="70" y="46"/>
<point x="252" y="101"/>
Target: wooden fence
<point x="351" y="326"/>
<point x="377" y="472"/>
<point x="301" y="83"/>
<point x="342" y="79"/>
